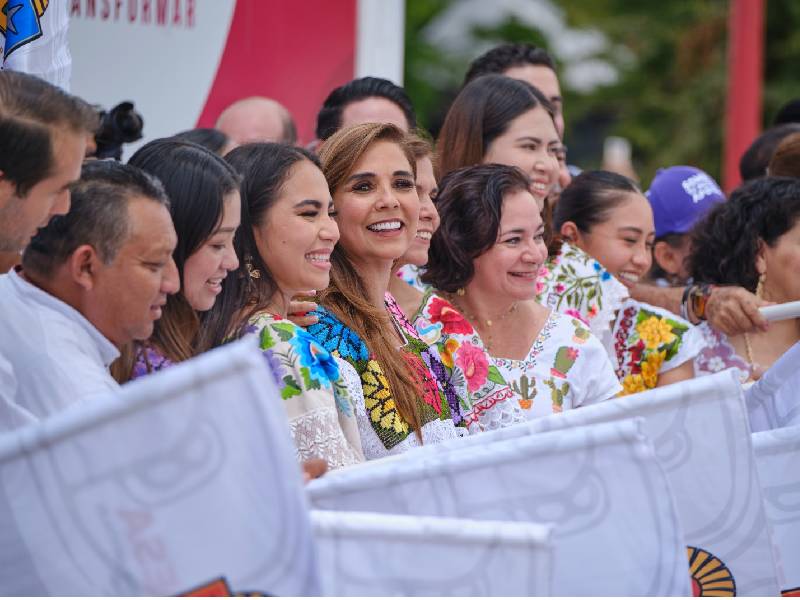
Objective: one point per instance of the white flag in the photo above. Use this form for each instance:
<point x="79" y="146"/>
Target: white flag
<point x="34" y="39"/>
<point x="186" y="482"/>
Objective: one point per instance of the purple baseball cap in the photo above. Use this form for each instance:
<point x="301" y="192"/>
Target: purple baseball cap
<point x="680" y="196"/>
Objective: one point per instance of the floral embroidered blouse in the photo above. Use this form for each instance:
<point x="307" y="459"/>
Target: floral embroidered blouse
<point x="383" y="430"/>
<point x="412" y="274"/>
<point x="314" y="387"/>
<point x="566" y="367"/>
<point x="649" y="340"/>
<point x="575" y="284"/>
<point x="149" y="360"/>
<point x="718" y="354"/>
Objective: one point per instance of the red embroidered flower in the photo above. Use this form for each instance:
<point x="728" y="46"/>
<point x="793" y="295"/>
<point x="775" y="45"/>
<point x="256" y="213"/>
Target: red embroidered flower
<point x="430" y="391"/>
<point x="452" y="321"/>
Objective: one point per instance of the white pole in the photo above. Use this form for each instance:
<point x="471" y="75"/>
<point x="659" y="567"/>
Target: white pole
<point x="380" y="32"/>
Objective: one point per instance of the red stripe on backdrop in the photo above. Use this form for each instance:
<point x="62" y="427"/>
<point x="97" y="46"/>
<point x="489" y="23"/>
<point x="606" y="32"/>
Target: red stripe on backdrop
<point x="745" y="66"/>
<point x="294" y="52"/>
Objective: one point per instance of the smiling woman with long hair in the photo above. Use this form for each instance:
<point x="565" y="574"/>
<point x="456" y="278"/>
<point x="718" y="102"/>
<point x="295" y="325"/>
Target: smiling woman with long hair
<point x="407" y="397"/>
<point x="285" y="242"/>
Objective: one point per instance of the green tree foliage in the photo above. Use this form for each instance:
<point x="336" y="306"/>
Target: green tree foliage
<point x="669" y="99"/>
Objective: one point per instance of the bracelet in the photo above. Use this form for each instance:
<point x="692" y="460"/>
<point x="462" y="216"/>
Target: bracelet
<point x="699" y="300"/>
<point x="687" y="291"/>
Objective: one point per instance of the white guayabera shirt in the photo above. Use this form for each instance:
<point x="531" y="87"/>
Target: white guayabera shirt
<point x="57" y="358"/>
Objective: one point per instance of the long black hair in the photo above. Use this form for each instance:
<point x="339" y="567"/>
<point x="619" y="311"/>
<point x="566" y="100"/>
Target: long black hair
<point x="264" y="169"/>
<point x="196" y="181"/>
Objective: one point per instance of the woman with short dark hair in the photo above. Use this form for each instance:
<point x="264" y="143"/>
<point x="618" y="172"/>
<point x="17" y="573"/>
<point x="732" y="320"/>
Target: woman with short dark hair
<point x="484" y="263"/>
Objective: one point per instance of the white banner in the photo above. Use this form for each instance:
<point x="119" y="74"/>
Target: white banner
<point x="474" y="558"/>
<point x="701" y="437"/>
<point x="774" y="400"/>
<point x="185" y="482"/>
<point x="778" y="458"/>
<point x="616" y="527"/>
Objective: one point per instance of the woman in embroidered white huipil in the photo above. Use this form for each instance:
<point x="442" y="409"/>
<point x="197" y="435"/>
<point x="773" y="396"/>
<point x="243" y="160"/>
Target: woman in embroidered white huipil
<point x="484" y="263"/>
<point x="606" y="220"/>
<point x="285" y="241"/>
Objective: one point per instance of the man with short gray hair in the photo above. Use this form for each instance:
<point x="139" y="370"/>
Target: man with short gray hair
<point x="91" y="282"/>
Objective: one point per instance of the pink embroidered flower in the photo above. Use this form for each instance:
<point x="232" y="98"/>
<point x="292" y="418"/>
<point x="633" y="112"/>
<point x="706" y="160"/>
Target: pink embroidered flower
<point x="592" y="311"/>
<point x="472" y="361"/>
<point x="453" y="321"/>
<point x="560" y="287"/>
<point x="574" y="313"/>
<point x="540" y="287"/>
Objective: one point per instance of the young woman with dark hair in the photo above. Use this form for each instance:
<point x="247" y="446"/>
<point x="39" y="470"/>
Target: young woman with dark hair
<point x="285" y="242"/>
<point x="205" y="208"/>
<point x="520" y="359"/>
<point x="371" y="175"/>
<point x="496" y="119"/>
<point x="753" y="241"/>
<point x="607" y="229"/>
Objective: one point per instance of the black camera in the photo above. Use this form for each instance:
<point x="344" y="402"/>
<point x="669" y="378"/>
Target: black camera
<point x="120" y="125"/>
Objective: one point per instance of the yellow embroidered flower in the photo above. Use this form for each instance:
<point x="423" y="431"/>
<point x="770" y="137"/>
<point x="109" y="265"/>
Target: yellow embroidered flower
<point x="632" y="384"/>
<point x="450" y="347"/>
<point x="651" y="366"/>
<point x="655" y="331"/>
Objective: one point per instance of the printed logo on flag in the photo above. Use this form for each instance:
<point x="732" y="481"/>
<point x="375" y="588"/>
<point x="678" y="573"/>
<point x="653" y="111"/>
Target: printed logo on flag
<point x="217" y="588"/>
<point x="19" y="22"/>
<point x="710" y="576"/>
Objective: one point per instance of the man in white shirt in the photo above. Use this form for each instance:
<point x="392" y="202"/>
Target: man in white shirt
<point x="92" y="281"/>
<point x="43" y="135"/>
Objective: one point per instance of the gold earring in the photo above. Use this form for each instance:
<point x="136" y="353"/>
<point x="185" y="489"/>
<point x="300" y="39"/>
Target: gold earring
<point x="460" y="291"/>
<point x="252" y="272"/>
<point x="760" y="287"/>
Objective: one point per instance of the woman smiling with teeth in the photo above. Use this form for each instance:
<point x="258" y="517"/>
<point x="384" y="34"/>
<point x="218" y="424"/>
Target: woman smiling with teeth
<point x="285" y="243"/>
<point x="205" y="209"/>
<point x="605" y="216"/>
<point x="518" y="359"/>
<point x="371" y="174"/>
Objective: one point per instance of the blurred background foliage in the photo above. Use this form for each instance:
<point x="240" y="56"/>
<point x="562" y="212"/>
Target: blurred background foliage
<point x="668" y="99"/>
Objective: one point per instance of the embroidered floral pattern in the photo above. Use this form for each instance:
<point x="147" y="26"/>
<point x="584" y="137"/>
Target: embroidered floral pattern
<point x="505" y="391"/>
<point x="575" y="284"/>
<point x="436" y="395"/>
<point x="718" y="354"/>
<point x="644" y="340"/>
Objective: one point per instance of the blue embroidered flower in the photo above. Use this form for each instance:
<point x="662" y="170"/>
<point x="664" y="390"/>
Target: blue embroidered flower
<point x="336" y="337"/>
<point x="275" y="367"/>
<point x="321" y="365"/>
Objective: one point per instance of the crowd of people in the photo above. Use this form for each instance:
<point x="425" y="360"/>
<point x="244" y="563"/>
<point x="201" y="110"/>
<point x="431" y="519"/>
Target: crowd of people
<point x="402" y="292"/>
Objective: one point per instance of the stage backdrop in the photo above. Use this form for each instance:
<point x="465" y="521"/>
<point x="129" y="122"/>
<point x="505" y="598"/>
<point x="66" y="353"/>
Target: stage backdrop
<point x="182" y="61"/>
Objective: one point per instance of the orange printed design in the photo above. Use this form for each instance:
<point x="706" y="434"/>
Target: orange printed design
<point x="217" y="588"/>
<point x="710" y="576"/>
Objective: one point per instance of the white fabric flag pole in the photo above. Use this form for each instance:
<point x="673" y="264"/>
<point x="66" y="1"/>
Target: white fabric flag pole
<point x="702" y="440"/>
<point x="184" y="482"/>
<point x="35" y="39"/>
<point x="474" y="558"/>
<point x="616" y="532"/>
<point x="778" y="458"/>
<point x="774" y="400"/>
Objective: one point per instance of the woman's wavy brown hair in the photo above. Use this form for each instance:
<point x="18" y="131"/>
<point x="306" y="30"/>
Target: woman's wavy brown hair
<point x="347" y="297"/>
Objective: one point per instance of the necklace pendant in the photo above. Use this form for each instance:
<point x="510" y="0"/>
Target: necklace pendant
<point x="488" y="322"/>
